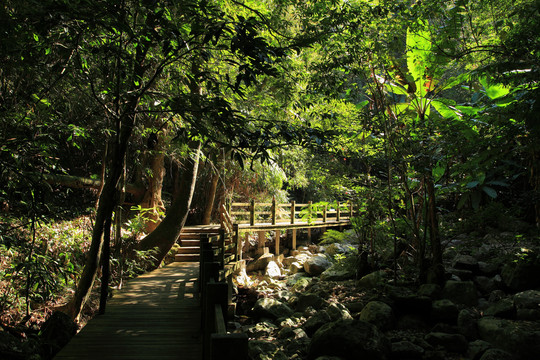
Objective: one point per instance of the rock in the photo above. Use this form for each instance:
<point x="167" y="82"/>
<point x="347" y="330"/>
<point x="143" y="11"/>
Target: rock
<point x="260" y="329"/>
<point x="372" y="280"/>
<point x="496" y="354"/>
<point x="337" y="273"/>
<point x="467" y="324"/>
<point x="307" y="300"/>
<point x="350" y="340"/>
<point x="465" y="262"/>
<point x="335" y="248"/>
<point x="378" y="314"/>
<point x="406" y="350"/>
<point x="503" y="308"/>
<point x="529" y="299"/>
<point x="260" y="263"/>
<point x="288" y="261"/>
<point x="528" y="314"/>
<point x="296" y="267"/>
<point x="57" y="331"/>
<point x="488" y="269"/>
<point x="444" y="310"/>
<point x="336" y="311"/>
<point x="315" y="322"/>
<point x="477" y="348"/>
<point x="315" y="265"/>
<point x="333" y="312"/>
<point x="517" y="337"/>
<point x="432" y="291"/>
<point x="461" y="292"/>
<point x="355" y="307"/>
<point x="451" y="342"/>
<point x="522" y="275"/>
<point x="271" y="308"/>
<point x="265" y="350"/>
<point x="241" y="278"/>
<point x="293" y="279"/>
<point x="485" y="284"/>
<point x="273" y="270"/>
<point x="461" y="275"/>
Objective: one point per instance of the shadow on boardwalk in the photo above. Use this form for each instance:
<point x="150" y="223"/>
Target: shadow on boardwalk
<point x="156" y="316"/>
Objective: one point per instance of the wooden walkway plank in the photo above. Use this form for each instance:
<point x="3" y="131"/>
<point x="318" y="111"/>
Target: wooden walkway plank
<point x="156" y="316"/>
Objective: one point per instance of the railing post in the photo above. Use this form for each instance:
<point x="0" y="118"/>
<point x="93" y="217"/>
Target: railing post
<point x="274" y="210"/>
<point x="350" y="210"/>
<point x="293" y="211"/>
<point x="221" y="246"/>
<point x="237" y="247"/>
<point x="338" y="211"/>
<point x="325" y="209"/>
<point x="252" y="213"/>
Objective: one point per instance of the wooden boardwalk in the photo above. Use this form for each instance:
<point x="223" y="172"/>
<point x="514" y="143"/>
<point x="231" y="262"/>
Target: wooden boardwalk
<point x="156" y="316"/>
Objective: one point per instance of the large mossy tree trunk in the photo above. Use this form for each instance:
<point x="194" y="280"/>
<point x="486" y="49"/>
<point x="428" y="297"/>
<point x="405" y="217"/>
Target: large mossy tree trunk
<point x="167" y="232"/>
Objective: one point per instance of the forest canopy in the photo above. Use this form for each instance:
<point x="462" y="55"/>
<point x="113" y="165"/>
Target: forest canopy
<point x="123" y="120"/>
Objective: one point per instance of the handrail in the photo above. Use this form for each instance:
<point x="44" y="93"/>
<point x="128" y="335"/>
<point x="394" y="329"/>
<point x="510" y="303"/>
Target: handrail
<point x="218" y="254"/>
<point x="279" y="213"/>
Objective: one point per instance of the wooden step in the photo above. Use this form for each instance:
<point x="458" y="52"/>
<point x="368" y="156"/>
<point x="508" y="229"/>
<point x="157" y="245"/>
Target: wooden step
<point x="189" y="235"/>
<point x="189" y="250"/>
<point x="186" y="257"/>
<point x="190" y="243"/>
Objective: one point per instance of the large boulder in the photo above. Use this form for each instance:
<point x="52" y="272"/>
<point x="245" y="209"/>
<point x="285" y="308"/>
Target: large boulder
<point x="517" y="337"/>
<point x="461" y="292"/>
<point x="338" y="272"/>
<point x="378" y="314"/>
<point x="522" y="275"/>
<point x="372" y="280"/>
<point x="307" y="300"/>
<point x="527" y="305"/>
<point x="260" y="263"/>
<point x="271" y="308"/>
<point x="333" y="312"/>
<point x="315" y="265"/>
<point x="349" y="340"/>
<point x="465" y="262"/>
<point x="273" y="270"/>
<point x="444" y="310"/>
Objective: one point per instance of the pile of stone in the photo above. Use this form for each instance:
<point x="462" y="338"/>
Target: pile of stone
<point x="483" y="310"/>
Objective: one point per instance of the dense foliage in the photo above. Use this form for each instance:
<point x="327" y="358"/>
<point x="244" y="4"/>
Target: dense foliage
<point x="422" y="113"/>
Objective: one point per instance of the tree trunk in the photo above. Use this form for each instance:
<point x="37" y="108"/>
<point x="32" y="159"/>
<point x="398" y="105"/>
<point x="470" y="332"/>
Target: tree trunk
<point x="167" y="232"/>
<point x="152" y="197"/>
<point x="210" y="199"/>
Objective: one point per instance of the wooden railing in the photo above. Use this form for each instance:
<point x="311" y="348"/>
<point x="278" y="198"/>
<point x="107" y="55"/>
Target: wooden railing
<point x="219" y="256"/>
<point x="290" y="213"/>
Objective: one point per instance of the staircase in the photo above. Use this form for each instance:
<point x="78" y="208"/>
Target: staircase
<point x="190" y="243"/>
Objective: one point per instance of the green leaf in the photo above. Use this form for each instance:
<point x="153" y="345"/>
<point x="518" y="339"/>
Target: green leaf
<point x="438" y="172"/>
<point x="362" y="104"/>
<point x="396" y="89"/>
<point x="489" y="191"/>
<point x="493" y="91"/>
<point x="445" y="111"/>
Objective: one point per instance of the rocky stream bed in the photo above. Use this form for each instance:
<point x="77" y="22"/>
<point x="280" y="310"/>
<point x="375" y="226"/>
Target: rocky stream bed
<point x="308" y="306"/>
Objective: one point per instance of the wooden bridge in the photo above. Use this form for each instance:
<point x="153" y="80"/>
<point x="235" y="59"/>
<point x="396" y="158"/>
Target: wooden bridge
<point x="180" y="311"/>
